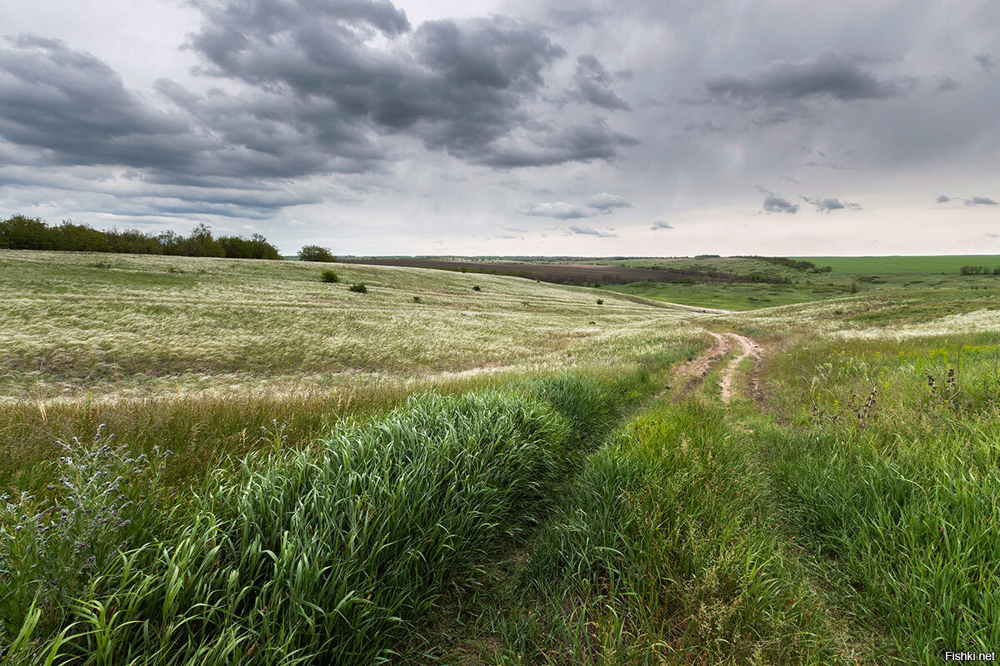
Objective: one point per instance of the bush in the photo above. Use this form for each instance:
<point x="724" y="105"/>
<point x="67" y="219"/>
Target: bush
<point x="476" y="288"/>
<point x="329" y="276"/>
<point x="358" y="288"/>
<point x="316" y="253"/>
<point x="416" y="299"/>
<point x="600" y="301"/>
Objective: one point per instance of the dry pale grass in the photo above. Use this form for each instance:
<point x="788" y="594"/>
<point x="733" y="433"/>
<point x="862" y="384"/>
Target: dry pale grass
<point x="157" y="326"/>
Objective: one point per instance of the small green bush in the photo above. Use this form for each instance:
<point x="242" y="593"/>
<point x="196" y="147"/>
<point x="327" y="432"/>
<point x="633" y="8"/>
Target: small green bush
<point x="600" y="301"/>
<point x="329" y="276"/>
<point x="358" y="288"/>
<point x="477" y="288"/>
<point x="316" y="253"/>
<point x="416" y="299"/>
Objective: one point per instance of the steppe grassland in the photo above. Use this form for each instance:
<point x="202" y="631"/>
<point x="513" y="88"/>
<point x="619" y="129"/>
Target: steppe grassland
<point x="152" y="325"/>
<point x="196" y="355"/>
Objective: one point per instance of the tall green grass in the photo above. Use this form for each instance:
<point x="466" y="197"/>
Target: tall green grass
<point x="900" y="501"/>
<point x="667" y="551"/>
<point x="329" y="554"/>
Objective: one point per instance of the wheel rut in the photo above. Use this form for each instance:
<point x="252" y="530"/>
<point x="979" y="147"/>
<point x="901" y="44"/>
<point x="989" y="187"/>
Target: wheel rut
<point x="691" y="374"/>
<point x="747" y="348"/>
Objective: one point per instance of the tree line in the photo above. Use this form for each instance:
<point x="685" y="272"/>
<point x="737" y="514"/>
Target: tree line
<point x="20" y="232"/>
<point x="979" y="270"/>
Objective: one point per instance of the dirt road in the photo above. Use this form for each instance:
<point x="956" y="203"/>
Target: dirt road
<point x="692" y="373"/>
<point x="747" y="348"/>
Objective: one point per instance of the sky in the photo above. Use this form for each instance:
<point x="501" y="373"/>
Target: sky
<point x="511" y="127"/>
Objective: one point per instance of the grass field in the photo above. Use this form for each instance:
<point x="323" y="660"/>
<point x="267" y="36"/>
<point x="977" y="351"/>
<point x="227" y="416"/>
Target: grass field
<point x="199" y="354"/>
<point x="509" y="475"/>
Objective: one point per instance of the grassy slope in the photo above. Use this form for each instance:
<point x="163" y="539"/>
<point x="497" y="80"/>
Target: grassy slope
<point x="151" y="325"/>
<point x="198" y="355"/>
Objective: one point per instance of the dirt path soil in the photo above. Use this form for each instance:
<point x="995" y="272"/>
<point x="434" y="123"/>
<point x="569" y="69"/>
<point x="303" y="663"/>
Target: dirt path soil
<point x="747" y="348"/>
<point x="691" y="373"/>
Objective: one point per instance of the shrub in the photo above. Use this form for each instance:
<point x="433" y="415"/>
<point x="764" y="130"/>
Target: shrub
<point x="600" y="301"/>
<point x="316" y="253"/>
<point x="477" y="288"/>
<point x="329" y="276"/>
<point x="106" y="501"/>
<point x="416" y="299"/>
<point x="359" y="288"/>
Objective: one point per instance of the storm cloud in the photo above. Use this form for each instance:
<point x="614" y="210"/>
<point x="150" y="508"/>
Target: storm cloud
<point x="328" y="88"/>
<point x="830" y="75"/>
<point x="593" y="85"/>
<point x="396" y="126"/>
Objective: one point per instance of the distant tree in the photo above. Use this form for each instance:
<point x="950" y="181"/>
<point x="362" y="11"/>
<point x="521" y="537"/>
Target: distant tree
<point x="20" y="232"/>
<point x="316" y="253"/>
<point x="71" y="237"/>
<point x="256" y="247"/>
<point x="133" y="241"/>
<point x="201" y="244"/>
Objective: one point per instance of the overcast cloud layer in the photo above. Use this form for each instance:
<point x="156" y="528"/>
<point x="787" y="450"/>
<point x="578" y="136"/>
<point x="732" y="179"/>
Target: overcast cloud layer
<point x="509" y="126"/>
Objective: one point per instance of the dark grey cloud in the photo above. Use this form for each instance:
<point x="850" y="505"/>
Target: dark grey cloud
<point x="660" y="225"/>
<point x="830" y="75"/>
<point x="828" y="204"/>
<point x="774" y="203"/>
<point x="75" y="110"/>
<point x="979" y="201"/>
<point x="328" y="86"/>
<point x="582" y="142"/>
<point x="986" y="62"/>
<point x="459" y="86"/>
<point x="588" y="231"/>
<point x="599" y="204"/>
<point x="944" y="198"/>
<point x="593" y="85"/>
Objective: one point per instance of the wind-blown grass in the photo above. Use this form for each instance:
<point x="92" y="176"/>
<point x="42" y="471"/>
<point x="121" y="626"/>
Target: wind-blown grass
<point x="328" y="554"/>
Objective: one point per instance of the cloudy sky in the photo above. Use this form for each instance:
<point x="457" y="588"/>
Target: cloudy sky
<point x="638" y="127"/>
